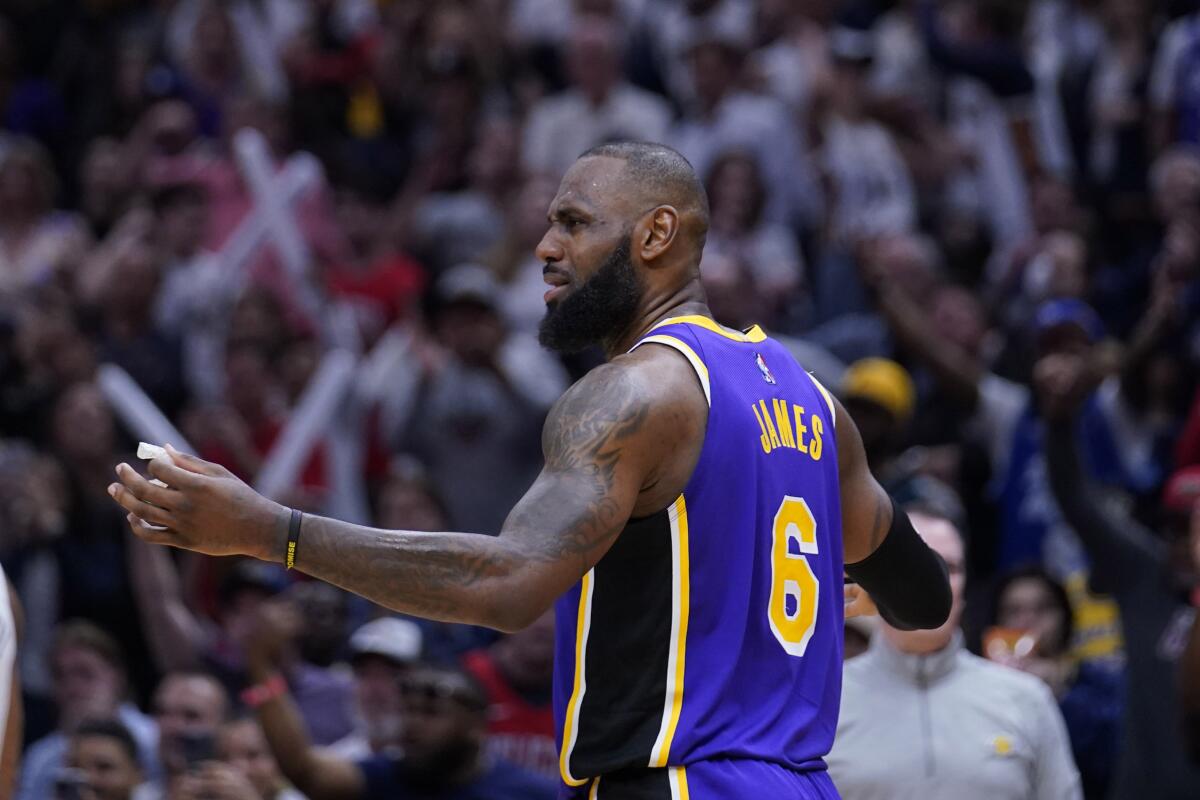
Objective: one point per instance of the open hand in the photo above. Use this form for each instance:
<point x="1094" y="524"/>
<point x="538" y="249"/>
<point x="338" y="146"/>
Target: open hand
<point x="204" y="507"/>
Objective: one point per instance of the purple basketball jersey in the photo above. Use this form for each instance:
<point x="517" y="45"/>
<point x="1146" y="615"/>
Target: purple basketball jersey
<point x="713" y="629"/>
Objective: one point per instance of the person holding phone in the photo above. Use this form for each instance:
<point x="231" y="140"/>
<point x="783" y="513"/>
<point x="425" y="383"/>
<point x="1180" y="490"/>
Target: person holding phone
<point x="189" y="708"/>
<point x="1031" y="630"/>
<point x="101" y="764"/>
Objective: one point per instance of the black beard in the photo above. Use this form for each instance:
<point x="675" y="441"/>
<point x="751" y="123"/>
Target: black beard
<point x="601" y="308"/>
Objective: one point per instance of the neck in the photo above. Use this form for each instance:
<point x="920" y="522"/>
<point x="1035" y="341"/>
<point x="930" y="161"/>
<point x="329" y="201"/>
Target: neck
<point x="688" y="299"/>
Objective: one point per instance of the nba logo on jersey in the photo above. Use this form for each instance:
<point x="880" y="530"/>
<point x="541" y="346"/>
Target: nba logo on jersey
<point x="762" y="367"/>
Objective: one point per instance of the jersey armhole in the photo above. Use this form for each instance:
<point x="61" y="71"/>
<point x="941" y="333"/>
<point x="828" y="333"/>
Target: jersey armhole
<point x="685" y="349"/>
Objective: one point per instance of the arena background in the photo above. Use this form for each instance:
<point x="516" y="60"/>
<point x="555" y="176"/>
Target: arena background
<point x="296" y="238"/>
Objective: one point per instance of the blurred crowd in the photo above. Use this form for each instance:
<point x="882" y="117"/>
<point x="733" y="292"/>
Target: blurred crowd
<point x="300" y="235"/>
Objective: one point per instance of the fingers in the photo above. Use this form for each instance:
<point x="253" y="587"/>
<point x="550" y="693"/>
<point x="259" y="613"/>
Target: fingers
<point x="144" y="490"/>
<point x="195" y="464"/>
<point x="175" y="476"/>
<point x="152" y="514"/>
<point x="148" y="534"/>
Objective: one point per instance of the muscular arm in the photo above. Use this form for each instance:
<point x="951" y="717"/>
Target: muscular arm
<point x="907" y="580"/>
<point x="603" y="442"/>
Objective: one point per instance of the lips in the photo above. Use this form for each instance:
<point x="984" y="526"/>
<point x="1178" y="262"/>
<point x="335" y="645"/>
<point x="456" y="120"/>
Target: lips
<point x="558" y="283"/>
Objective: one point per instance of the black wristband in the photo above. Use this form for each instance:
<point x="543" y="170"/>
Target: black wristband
<point x="293" y="537"/>
<point x="907" y="580"/>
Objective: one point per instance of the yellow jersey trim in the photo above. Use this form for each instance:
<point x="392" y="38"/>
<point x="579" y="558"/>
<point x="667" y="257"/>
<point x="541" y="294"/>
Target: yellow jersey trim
<point x="680" y="604"/>
<point x="828" y="398"/>
<point x="755" y="334"/>
<point x="594" y="794"/>
<point x="571" y="724"/>
<point x="677" y="777"/>
<point x="688" y="353"/>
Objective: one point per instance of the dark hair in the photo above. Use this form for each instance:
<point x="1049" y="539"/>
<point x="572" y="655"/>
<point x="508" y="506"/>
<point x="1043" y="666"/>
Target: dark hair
<point x="89" y="636"/>
<point x="729" y="157"/>
<point x="657" y="165"/>
<point x="1056" y="590"/>
<point x="110" y="729"/>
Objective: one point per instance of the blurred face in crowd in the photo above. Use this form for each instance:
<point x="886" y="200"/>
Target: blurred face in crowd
<point x="25" y="182"/>
<point x="713" y="71"/>
<point x="242" y="745"/>
<point x="445" y="722"/>
<point x="134" y="281"/>
<point x="735" y="193"/>
<point x="593" y="56"/>
<point x="1067" y="256"/>
<point x="377" y="697"/>
<point x="495" y="156"/>
<point x="1066" y="338"/>
<point x="105" y="180"/>
<point x="405" y="504"/>
<point x="186" y="706"/>
<point x="1029" y="605"/>
<point x="359" y="220"/>
<point x="595" y="289"/>
<point x="945" y="540"/>
<point x="958" y="317"/>
<point x="472" y="330"/>
<point x="324" y="610"/>
<point x="248" y="383"/>
<point x="110" y="771"/>
<point x="83" y="408"/>
<point x="85" y="685"/>
<point x="526" y="658"/>
<point x="181" y="226"/>
<point x="1175" y="182"/>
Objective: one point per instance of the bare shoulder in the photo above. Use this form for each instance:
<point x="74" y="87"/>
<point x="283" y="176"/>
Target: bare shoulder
<point x="645" y="408"/>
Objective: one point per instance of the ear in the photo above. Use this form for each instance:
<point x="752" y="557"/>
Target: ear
<point x="654" y="235"/>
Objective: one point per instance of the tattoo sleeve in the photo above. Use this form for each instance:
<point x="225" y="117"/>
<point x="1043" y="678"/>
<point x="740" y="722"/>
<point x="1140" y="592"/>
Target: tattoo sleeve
<point x="558" y="530"/>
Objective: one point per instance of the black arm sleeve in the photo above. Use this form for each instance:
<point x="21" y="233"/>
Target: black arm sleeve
<point x="906" y="579"/>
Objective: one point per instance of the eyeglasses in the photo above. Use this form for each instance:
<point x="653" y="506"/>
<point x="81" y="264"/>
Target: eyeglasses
<point x="439" y="690"/>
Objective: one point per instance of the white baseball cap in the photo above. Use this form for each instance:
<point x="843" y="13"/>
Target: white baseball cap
<point x="390" y="637"/>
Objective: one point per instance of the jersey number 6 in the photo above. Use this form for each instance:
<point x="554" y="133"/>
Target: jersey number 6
<point x="793" y="608"/>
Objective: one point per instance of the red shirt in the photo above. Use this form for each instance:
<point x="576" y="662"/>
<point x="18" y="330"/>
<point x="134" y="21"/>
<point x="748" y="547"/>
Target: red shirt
<point x="518" y="731"/>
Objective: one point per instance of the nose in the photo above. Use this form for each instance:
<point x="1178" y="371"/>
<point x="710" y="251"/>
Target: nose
<point x="549" y="251"/>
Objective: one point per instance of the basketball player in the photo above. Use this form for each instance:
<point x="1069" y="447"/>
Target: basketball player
<point x="10" y="689"/>
<point x="700" y="495"/>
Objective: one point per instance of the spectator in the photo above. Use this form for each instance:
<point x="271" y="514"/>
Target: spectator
<point x="1174" y="86"/>
<point x="722" y="117"/>
<point x="736" y="198"/>
<point x="517" y="673"/>
<point x="598" y="107"/>
<point x="444" y="723"/>
<point x="1033" y="634"/>
<point x="478" y="411"/>
<point x="102" y="763"/>
<point x="189" y="708"/>
<point x="382" y="652"/>
<point x="37" y="243"/>
<point x="1143" y="571"/>
<point x="1190" y="670"/>
<point x="88" y="672"/>
<point x="923" y="718"/>
<point x="242" y="746"/>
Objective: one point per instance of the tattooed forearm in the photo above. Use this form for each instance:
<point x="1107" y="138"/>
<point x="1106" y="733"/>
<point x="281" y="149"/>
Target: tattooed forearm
<point x="567" y="520"/>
